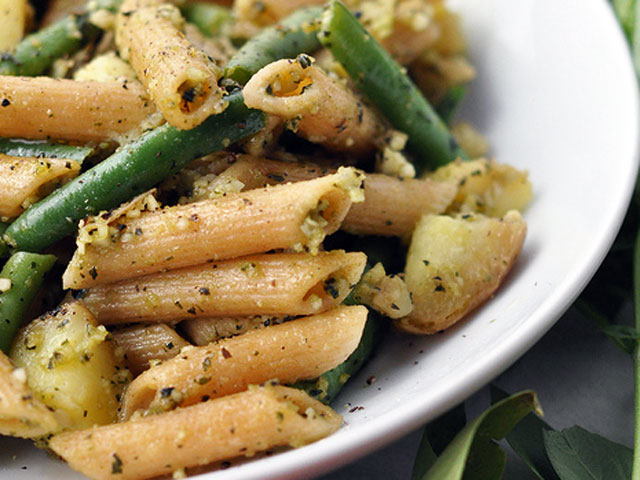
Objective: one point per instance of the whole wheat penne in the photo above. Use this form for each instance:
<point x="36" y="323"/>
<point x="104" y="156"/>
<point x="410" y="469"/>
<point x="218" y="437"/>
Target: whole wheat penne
<point x="266" y="12"/>
<point x="406" y="31"/>
<point x="182" y="80"/>
<point x="140" y="345"/>
<point x="14" y="16"/>
<point x="291" y="351"/>
<point x="391" y="206"/>
<point x="317" y="107"/>
<point x="21" y="414"/>
<point x="237" y="425"/>
<point x="23" y="181"/>
<point x="298" y="215"/>
<point x="42" y="108"/>
<point x="268" y="284"/>
<point x="202" y="331"/>
<point x="56" y="9"/>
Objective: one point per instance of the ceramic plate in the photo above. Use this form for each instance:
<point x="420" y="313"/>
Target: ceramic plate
<point x="555" y="94"/>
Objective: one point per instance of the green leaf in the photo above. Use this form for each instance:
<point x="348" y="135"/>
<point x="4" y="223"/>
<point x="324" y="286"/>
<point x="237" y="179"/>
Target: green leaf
<point x="623" y="336"/>
<point x="526" y="439"/>
<point x="577" y="454"/>
<point x="625" y="11"/>
<point x="474" y="453"/>
<point x="437" y="435"/>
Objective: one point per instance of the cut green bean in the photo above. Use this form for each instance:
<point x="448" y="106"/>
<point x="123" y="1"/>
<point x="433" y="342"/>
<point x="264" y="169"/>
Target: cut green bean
<point x="20" y="280"/>
<point x="382" y="80"/>
<point x="130" y="171"/>
<point x="37" y="52"/>
<point x="294" y="35"/>
<point x="450" y="102"/>
<point x="210" y="19"/>
<point x="328" y="385"/>
<point x="26" y="148"/>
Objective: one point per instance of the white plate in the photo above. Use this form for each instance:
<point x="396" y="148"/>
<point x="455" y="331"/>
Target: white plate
<point x="555" y="94"/>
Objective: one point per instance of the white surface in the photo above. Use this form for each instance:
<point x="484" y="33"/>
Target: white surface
<point x="555" y="94"/>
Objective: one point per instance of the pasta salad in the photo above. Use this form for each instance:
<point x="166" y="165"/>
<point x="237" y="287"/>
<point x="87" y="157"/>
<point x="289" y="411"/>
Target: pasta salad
<point x="213" y="212"/>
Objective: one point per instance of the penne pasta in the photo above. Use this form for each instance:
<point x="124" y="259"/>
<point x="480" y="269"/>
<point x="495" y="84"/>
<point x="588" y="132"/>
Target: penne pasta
<point x="182" y="80"/>
<point x="288" y="216"/>
<point x="23" y="181"/>
<point x="237" y="425"/>
<point x="57" y="9"/>
<point x="292" y="351"/>
<point x="21" y="414"/>
<point x="266" y="12"/>
<point x="268" y="284"/>
<point x="316" y="106"/>
<point x="80" y="111"/>
<point x="202" y="331"/>
<point x="142" y="345"/>
<point x="391" y="206"/>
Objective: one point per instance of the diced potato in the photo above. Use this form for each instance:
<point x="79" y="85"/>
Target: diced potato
<point x="14" y="18"/>
<point x="21" y="415"/>
<point x="470" y="140"/>
<point x="70" y="366"/>
<point x="388" y="294"/>
<point x="455" y="264"/>
<point x="486" y="186"/>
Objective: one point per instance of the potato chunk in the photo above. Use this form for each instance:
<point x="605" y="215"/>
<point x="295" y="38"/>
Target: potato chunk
<point x="455" y="264"/>
<point x="486" y="186"/>
<point x="70" y="366"/>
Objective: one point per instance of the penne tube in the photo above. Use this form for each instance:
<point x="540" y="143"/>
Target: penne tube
<point x="43" y="108"/>
<point x="141" y="345"/>
<point x="21" y="414"/>
<point x="14" y="19"/>
<point x="317" y="107"/>
<point x="391" y="206"/>
<point x="238" y="425"/>
<point x="292" y="351"/>
<point x="267" y="12"/>
<point x="405" y="31"/>
<point x="57" y="9"/>
<point x="287" y="216"/>
<point x="23" y="181"/>
<point x="268" y="284"/>
<point x="202" y="331"/>
<point x="182" y="80"/>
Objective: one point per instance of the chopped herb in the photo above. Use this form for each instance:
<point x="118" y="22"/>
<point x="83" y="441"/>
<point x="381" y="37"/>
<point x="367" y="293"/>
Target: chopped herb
<point x="116" y="466"/>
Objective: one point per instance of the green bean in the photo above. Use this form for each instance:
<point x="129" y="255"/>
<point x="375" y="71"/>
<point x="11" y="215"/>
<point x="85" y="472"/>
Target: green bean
<point x="294" y="35"/>
<point x="208" y="17"/>
<point x="25" y="271"/>
<point x="37" y="52"/>
<point x="383" y="81"/>
<point x="26" y="148"/>
<point x="130" y="171"/>
<point x="4" y="248"/>
<point x="450" y="102"/>
<point x="328" y="385"/>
